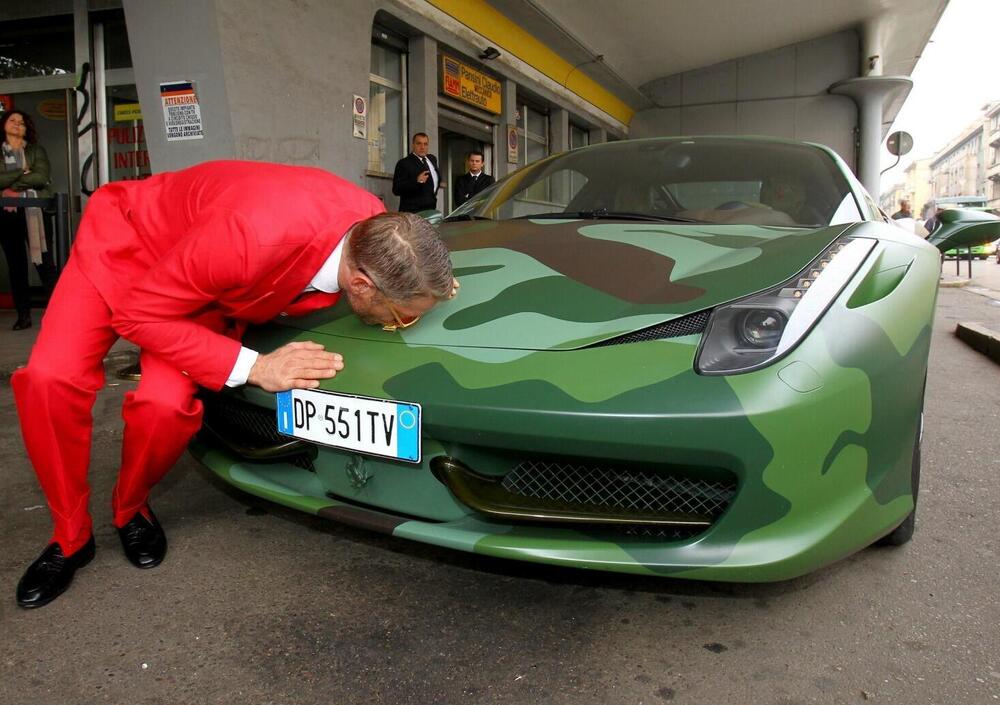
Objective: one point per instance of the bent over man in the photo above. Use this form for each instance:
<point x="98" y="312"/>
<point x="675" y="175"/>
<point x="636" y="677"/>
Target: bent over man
<point x="179" y="264"/>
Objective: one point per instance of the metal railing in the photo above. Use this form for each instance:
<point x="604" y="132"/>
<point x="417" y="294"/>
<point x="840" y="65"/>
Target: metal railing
<point x="56" y="208"/>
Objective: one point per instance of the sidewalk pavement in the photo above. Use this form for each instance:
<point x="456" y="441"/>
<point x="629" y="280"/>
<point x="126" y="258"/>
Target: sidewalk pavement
<point x="979" y="326"/>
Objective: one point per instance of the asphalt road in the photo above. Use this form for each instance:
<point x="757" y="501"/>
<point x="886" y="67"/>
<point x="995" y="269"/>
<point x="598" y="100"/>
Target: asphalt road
<point x="258" y="604"/>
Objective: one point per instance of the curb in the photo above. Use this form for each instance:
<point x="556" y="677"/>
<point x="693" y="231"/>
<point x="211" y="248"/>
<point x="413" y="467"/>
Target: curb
<point x="953" y="283"/>
<point x="980" y="338"/>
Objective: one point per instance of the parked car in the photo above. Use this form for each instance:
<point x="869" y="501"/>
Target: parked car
<point x="984" y="251"/>
<point x="700" y="358"/>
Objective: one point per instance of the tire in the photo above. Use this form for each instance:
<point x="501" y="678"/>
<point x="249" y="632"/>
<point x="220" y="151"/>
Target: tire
<point x="904" y="532"/>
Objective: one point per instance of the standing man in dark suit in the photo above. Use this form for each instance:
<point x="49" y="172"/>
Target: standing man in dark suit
<point x="475" y="180"/>
<point x="416" y="178"/>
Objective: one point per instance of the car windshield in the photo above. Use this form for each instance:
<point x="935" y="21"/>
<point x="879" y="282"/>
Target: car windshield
<point x="714" y="180"/>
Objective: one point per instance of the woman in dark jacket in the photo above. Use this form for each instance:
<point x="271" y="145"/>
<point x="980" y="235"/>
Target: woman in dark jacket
<point x="25" y="172"/>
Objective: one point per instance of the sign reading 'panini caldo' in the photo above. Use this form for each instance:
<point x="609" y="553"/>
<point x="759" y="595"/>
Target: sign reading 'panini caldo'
<point x="470" y="86"/>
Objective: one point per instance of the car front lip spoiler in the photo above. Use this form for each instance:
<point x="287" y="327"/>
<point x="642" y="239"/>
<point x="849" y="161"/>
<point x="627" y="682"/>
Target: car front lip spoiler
<point x="485" y="494"/>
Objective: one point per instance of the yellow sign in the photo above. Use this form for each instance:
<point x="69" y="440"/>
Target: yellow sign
<point x="470" y="86"/>
<point x="124" y="112"/>
<point x="52" y="109"/>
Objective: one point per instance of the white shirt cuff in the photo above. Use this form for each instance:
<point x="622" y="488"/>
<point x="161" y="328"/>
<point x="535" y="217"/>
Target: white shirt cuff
<point x="241" y="370"/>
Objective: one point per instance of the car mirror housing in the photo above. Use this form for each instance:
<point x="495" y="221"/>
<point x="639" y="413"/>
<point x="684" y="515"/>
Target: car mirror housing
<point x="961" y="227"/>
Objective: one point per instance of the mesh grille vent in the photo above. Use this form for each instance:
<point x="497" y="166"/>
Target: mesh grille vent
<point x="247" y="425"/>
<point x="619" y="488"/>
<point x="685" y="325"/>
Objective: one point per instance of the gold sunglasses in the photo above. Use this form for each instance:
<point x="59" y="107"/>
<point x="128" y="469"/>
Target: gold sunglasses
<point x="400" y="321"/>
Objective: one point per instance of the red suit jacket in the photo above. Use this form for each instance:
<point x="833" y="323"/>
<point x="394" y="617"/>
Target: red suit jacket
<point x="186" y="259"/>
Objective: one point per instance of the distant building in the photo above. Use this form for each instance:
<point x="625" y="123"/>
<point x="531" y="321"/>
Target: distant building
<point x="961" y="168"/>
<point x="890" y="198"/>
<point x="915" y="188"/>
<point x="993" y="155"/>
<point x="918" y="184"/>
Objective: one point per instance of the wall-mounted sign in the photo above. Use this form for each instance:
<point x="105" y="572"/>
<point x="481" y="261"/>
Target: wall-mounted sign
<point x="6" y="102"/>
<point x="181" y="111"/>
<point x="125" y="112"/>
<point x="470" y="86"/>
<point x="512" y="142"/>
<point x="360" y="110"/>
<point x="52" y="108"/>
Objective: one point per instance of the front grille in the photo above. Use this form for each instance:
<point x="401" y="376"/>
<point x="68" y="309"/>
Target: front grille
<point x="625" y="490"/>
<point x="251" y="431"/>
<point x="685" y="325"/>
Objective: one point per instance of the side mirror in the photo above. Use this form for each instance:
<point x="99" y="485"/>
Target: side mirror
<point x="964" y="228"/>
<point x="432" y="216"/>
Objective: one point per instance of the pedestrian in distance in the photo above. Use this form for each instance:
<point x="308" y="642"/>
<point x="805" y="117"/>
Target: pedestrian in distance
<point x="22" y="230"/>
<point x="905" y="211"/>
<point x="180" y="264"/>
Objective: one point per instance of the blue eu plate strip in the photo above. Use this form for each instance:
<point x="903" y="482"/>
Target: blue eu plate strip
<point x="408" y="436"/>
<point x="285" y="424"/>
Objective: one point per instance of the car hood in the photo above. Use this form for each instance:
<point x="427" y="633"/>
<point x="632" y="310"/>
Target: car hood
<point x="559" y="285"/>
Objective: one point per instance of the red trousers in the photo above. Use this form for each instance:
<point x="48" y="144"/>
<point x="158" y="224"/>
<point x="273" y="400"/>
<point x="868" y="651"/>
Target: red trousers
<point x="55" y="395"/>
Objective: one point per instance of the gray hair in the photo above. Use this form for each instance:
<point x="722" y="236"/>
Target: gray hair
<point x="403" y="256"/>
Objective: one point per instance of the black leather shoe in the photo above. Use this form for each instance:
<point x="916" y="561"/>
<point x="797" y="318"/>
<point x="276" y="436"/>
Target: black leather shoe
<point x="22" y="322"/>
<point x="143" y="539"/>
<point x="49" y="576"/>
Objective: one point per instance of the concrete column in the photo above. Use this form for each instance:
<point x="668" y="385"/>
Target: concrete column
<point x="508" y="90"/>
<point x="598" y="135"/>
<point x="559" y="142"/>
<point x="870" y="94"/>
<point x="422" y="99"/>
<point x="558" y="130"/>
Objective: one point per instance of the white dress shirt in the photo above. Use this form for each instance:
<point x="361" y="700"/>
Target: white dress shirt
<point x="325" y="281"/>
<point x="430" y="167"/>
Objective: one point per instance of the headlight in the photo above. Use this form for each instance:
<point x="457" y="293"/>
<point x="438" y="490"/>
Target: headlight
<point x="753" y="332"/>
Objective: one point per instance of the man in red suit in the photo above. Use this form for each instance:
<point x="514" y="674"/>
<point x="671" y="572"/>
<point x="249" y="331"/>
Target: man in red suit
<point x="179" y="264"/>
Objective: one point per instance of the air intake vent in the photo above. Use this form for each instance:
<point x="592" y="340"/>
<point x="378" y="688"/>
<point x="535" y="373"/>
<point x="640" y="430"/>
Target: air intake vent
<point x="251" y="431"/>
<point x="685" y="325"/>
<point x="642" y="491"/>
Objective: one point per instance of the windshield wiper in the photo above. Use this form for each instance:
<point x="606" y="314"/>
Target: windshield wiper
<point x="605" y="214"/>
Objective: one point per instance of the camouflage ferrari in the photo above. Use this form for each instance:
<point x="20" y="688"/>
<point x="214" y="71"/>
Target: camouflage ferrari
<point x="699" y="358"/>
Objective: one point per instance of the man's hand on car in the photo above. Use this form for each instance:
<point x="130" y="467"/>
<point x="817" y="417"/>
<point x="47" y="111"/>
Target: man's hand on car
<point x="299" y="365"/>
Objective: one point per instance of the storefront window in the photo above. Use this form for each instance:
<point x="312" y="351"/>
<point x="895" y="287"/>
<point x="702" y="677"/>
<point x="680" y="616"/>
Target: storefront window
<point x="386" y="113"/>
<point x="128" y="156"/>
<point x="533" y="134"/>
<point x="578" y="137"/>
<point x="41" y="46"/>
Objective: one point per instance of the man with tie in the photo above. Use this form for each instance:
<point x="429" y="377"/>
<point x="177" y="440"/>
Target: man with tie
<point x="416" y="179"/>
<point x="179" y="264"/>
<point x="475" y="180"/>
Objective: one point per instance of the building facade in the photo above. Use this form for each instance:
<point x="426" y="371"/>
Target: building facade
<point x="992" y="131"/>
<point x="915" y="188"/>
<point x="960" y="168"/>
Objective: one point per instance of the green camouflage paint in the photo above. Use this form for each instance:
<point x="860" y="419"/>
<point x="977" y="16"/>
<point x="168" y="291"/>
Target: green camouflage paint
<point x="820" y="441"/>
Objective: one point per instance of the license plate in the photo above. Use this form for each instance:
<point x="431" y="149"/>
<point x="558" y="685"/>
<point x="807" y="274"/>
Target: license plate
<point x="390" y="429"/>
